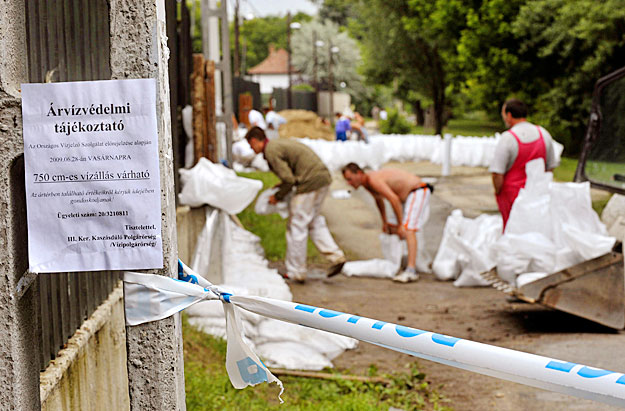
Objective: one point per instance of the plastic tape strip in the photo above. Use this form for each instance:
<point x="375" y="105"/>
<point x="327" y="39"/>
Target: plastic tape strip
<point x="150" y="297"/>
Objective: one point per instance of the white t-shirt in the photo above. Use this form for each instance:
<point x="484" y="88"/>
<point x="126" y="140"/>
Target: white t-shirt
<point x="256" y="119"/>
<point x="274" y="119"/>
<point x="507" y="148"/>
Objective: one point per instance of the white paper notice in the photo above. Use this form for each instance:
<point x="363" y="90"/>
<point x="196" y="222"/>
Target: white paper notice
<point x="92" y="175"/>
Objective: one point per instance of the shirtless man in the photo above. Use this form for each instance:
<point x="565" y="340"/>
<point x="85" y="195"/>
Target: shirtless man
<point x="410" y="199"/>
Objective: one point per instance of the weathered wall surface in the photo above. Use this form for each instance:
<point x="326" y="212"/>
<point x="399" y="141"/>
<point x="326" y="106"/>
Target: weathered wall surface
<point x="18" y="319"/>
<point x="90" y="373"/>
<point x="154" y="350"/>
<point x="190" y="223"/>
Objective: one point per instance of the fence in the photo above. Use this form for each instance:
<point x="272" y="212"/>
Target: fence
<point x="302" y="100"/>
<point x="241" y="86"/>
<point x="68" y="40"/>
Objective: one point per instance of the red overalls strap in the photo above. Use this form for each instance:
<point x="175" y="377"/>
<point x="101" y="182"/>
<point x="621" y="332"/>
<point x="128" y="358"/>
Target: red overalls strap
<point x="514" y="179"/>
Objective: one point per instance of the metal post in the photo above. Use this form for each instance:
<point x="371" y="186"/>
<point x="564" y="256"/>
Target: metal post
<point x="227" y="79"/>
<point x="237" y="51"/>
<point x="315" y="80"/>
<point x="331" y="81"/>
<point x="289" y="97"/>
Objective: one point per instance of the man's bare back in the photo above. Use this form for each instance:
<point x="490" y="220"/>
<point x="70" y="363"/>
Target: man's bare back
<point x="399" y="181"/>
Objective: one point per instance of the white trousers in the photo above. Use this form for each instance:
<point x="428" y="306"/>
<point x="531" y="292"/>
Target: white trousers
<point x="304" y="219"/>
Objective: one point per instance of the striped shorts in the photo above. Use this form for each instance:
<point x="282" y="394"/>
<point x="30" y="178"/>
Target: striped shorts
<point x="417" y="209"/>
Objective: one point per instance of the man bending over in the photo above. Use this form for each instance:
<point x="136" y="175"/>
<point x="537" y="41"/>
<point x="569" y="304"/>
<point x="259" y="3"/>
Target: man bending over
<point x="297" y="166"/>
<point x="410" y="199"/>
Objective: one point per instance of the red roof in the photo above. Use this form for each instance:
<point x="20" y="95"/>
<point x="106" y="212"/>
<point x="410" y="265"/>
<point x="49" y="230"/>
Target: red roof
<point x="275" y="63"/>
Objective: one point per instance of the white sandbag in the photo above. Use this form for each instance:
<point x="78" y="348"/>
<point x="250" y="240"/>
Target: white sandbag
<point x="242" y="152"/>
<point x="263" y="207"/>
<point x="476" y="239"/>
<point x="571" y="205"/>
<point x="375" y="267"/>
<point x="614" y="210"/>
<point x="521" y="253"/>
<point x="531" y="209"/>
<point x="445" y="265"/>
<point x="527" y="278"/>
<point x="392" y="250"/>
<point x="588" y="245"/>
<point x="565" y="258"/>
<point x="391" y="247"/>
<point x="330" y="345"/>
<point x="218" y="186"/>
<point x="292" y="356"/>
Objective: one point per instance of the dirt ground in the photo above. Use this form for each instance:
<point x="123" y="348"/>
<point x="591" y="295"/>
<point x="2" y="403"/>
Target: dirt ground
<point x="478" y="314"/>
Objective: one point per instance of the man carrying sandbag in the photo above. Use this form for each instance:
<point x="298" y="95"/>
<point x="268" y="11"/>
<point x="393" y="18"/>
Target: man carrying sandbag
<point x="520" y="144"/>
<point x="296" y="165"/>
<point x="410" y="199"/>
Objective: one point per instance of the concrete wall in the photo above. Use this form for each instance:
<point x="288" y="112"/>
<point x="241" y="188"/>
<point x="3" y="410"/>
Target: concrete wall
<point x="19" y="339"/>
<point x="341" y="102"/>
<point x="90" y="373"/>
<point x="190" y="223"/>
<point x="154" y="350"/>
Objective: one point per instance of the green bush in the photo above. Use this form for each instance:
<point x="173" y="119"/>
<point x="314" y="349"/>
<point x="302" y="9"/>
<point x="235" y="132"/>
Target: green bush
<point x="396" y="123"/>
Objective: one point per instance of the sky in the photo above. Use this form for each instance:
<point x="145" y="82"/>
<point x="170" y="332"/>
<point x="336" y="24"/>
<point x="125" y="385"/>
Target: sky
<point x="276" y="7"/>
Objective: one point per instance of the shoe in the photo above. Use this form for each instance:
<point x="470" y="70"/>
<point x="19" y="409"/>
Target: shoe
<point x="335" y="269"/>
<point x="295" y="277"/>
<point x="406" y="277"/>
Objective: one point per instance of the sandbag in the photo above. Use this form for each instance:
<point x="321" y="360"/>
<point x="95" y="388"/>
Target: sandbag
<point x="217" y="186"/>
<point x="445" y="265"/>
<point x="263" y="207"/>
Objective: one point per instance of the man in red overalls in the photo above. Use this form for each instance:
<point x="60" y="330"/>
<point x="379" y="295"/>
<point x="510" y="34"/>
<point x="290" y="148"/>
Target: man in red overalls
<point x="522" y="143"/>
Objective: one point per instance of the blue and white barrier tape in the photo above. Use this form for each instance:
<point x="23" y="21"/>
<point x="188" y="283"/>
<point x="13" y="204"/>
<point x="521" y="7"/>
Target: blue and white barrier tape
<point x="149" y="298"/>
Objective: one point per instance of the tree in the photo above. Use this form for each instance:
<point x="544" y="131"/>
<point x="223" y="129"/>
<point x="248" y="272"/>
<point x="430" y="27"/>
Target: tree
<point x="583" y="40"/>
<point x="412" y="43"/>
<point x="344" y="62"/>
<point x="489" y="67"/>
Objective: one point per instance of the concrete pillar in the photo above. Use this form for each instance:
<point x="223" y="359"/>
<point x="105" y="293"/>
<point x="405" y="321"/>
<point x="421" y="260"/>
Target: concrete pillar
<point x="139" y="50"/>
<point x="446" y="169"/>
<point x="19" y="339"/>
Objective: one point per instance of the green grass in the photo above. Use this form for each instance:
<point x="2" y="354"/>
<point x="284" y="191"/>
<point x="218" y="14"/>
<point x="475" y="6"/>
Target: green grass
<point x="270" y="228"/>
<point x="208" y="386"/>
<point x="466" y="127"/>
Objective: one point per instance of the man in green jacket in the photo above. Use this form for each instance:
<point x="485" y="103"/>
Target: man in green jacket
<point x="297" y="166"/>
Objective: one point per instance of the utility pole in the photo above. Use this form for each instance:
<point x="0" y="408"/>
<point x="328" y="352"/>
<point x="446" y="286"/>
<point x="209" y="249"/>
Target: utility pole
<point x="316" y="82"/>
<point x="237" y="52"/>
<point x="330" y="82"/>
<point x="289" y="97"/>
<point x="212" y="16"/>
<point x="332" y="50"/>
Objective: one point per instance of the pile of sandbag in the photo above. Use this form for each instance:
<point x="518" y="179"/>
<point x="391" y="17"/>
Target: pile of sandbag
<point x="552" y="226"/>
<point x="304" y="124"/>
<point x="245" y="271"/>
<point x="465" y="151"/>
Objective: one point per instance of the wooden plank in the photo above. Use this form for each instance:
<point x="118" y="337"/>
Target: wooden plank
<point x="104" y="40"/>
<point x="66" y="330"/>
<point x="198" y="100"/>
<point x="52" y="66"/>
<point x="93" y="46"/>
<point x="84" y="300"/>
<point x="32" y="38"/>
<point x="44" y="306"/>
<point x="74" y="301"/>
<point x="70" y="70"/>
<point x="60" y="40"/>
<point x="76" y="35"/>
<point x="55" y="314"/>
<point x="211" y="120"/>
